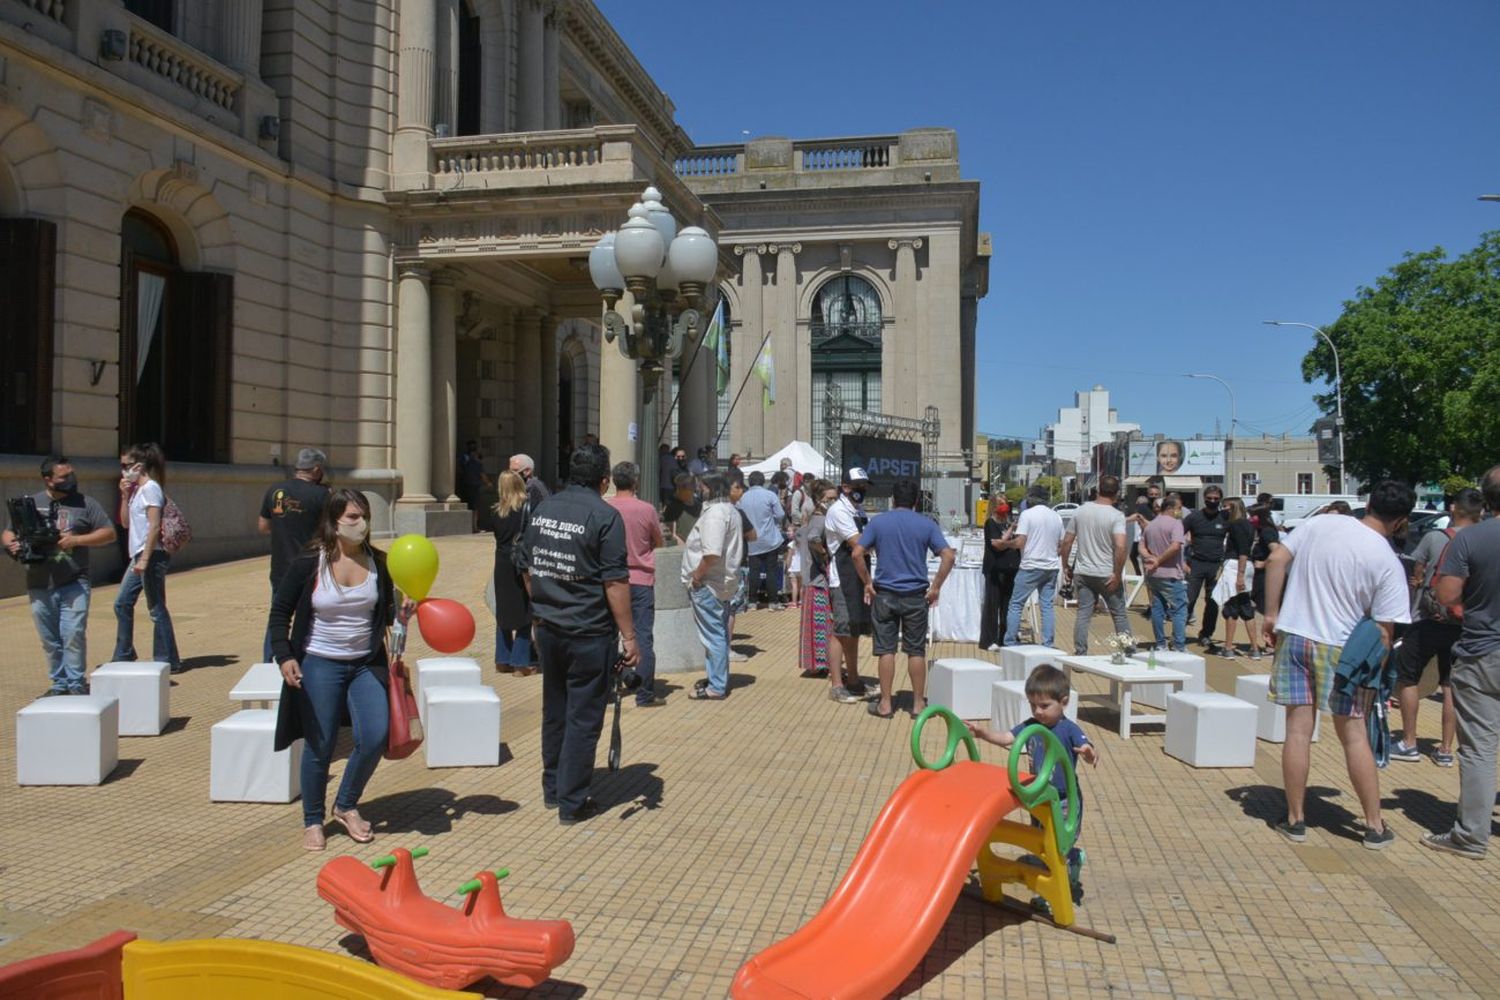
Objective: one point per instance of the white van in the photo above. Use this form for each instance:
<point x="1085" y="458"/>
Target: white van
<point x="1290" y="509"/>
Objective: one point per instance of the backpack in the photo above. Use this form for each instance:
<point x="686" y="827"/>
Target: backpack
<point x="1427" y="602"/>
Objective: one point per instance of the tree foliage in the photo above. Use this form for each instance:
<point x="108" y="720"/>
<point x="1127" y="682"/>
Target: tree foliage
<point x="1421" y="367"/>
<point x="1054" y="487"/>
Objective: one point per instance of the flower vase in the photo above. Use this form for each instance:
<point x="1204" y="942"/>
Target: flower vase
<point x="1117" y="657"/>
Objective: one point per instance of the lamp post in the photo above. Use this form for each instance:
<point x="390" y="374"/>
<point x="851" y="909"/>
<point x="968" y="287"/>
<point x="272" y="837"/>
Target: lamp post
<point x="1338" y="388"/>
<point x="1233" y="414"/>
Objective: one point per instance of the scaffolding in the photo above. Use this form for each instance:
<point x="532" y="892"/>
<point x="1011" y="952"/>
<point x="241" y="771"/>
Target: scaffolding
<point x="840" y="418"/>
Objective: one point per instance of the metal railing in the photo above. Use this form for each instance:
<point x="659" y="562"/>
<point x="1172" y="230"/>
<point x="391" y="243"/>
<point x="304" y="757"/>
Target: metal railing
<point x="870" y="333"/>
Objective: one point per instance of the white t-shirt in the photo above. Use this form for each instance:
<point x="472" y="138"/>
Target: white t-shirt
<point x="1096" y="526"/>
<point x="148" y="494"/>
<point x="1341" y="572"/>
<point x="1043" y="529"/>
<point x="716" y="533"/>
<point x="838" y="524"/>
<point x="342" y="616"/>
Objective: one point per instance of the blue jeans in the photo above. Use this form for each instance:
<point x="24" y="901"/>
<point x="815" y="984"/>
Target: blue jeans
<point x="327" y="687"/>
<point x="643" y="613"/>
<point x="513" y="647"/>
<point x="154" y="583"/>
<point x="712" y="618"/>
<point x="1029" y="581"/>
<point x="62" y="616"/>
<point x="1168" y="600"/>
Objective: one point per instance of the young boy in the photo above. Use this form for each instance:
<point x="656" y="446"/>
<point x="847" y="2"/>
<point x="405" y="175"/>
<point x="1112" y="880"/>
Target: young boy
<point x="1048" y="692"/>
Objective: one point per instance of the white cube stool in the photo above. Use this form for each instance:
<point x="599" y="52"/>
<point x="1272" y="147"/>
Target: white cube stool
<point x="443" y="671"/>
<point x="464" y="729"/>
<point x="1271" y="722"/>
<point x="243" y="764"/>
<point x="67" y="740"/>
<point x="1009" y="707"/>
<point x="962" y="686"/>
<point x="1209" y="729"/>
<point x="143" y="692"/>
<point x="259" y="688"/>
<point x="1019" y="661"/>
<point x="1155" y="695"/>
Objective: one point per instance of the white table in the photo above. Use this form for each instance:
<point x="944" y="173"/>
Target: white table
<point x="955" y="617"/>
<point x="259" y="688"/>
<point x="1121" y="677"/>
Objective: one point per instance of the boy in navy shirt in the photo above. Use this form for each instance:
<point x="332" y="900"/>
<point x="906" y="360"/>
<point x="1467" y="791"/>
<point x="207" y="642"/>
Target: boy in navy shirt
<point x="1048" y="692"/>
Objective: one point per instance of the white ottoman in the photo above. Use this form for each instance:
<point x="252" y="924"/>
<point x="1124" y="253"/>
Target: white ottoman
<point x="244" y="767"/>
<point x="67" y="740"/>
<point x="261" y="686"/>
<point x="1271" y="723"/>
<point x="962" y="686"/>
<point x="464" y="729"/>
<point x="1009" y="707"/>
<point x="443" y="671"/>
<point x="142" y="690"/>
<point x="1155" y="695"/>
<point x="1019" y="661"/>
<point x="1209" y="729"/>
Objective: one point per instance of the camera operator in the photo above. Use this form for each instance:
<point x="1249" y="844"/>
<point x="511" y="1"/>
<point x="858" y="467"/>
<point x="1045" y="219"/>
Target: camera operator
<point x="58" y="581"/>
<point x="577" y="574"/>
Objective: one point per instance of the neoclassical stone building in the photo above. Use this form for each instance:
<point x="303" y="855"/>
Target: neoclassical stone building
<point x="238" y="227"/>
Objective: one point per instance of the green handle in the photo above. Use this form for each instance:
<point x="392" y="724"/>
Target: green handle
<point x="1041" y="789"/>
<point x="957" y="731"/>
<point x="476" y="884"/>
<point x="390" y="859"/>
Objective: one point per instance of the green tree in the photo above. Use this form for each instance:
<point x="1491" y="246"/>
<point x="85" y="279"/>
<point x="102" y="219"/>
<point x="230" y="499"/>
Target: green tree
<point x="1054" y="487"/>
<point x="1015" y="494"/>
<point x="1452" y="483"/>
<point x="1421" y="367"/>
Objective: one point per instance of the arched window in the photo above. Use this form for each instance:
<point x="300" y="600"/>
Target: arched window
<point x="846" y="326"/>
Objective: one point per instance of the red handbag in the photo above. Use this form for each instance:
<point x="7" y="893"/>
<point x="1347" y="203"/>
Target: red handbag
<point x="406" y="727"/>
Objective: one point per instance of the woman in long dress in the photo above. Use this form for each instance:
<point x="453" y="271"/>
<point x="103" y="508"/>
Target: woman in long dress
<point x="817" y="604"/>
<point x="512" y="606"/>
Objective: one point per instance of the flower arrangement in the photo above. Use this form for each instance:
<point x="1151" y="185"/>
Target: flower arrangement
<point x="1119" y="644"/>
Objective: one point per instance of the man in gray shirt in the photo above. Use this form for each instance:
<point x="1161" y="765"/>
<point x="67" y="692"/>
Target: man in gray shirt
<point x="1469" y="573"/>
<point x="1098" y="530"/>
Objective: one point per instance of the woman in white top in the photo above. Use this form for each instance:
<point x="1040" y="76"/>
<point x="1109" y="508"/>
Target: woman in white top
<point x="327" y="626"/>
<point x="143" y="471"/>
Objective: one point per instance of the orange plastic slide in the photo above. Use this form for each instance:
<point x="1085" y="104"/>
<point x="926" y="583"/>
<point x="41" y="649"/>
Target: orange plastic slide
<point x="896" y="896"/>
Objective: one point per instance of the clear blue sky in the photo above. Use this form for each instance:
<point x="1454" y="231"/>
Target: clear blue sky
<point x="1158" y="177"/>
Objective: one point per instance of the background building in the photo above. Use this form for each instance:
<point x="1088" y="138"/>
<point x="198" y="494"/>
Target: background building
<point x="1285" y="464"/>
<point x="1079" y="428"/>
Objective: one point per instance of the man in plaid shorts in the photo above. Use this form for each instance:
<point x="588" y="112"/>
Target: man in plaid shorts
<point x="1327" y="576"/>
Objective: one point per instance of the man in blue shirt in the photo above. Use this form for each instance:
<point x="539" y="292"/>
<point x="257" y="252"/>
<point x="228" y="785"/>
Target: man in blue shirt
<point x="768" y="518"/>
<point x="899" y="595"/>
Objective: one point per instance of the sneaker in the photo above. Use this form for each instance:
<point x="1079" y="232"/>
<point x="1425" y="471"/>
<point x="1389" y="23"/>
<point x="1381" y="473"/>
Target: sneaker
<point x="843" y="695"/>
<point x="1075" y="865"/>
<point x="1256" y="654"/>
<point x="1400" y="751"/>
<point x="1295" y="832"/>
<point x="1442" y="758"/>
<point x="737" y="657"/>
<point x="1379" y="841"/>
<point x="993" y="647"/>
<point x="1444" y="842"/>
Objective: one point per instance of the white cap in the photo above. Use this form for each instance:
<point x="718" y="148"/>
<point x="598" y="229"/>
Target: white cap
<point x="856" y="475"/>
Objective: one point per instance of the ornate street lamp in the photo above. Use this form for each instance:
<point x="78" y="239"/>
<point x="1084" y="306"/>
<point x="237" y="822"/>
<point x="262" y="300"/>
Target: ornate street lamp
<point x="666" y="271"/>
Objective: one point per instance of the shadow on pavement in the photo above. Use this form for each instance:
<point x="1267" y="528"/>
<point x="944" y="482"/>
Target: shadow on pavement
<point x="428" y="811"/>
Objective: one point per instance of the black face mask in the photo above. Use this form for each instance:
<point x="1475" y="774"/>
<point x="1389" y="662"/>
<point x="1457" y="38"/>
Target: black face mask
<point x="858" y="496"/>
<point x="68" y="484"/>
<point x="1210" y="505"/>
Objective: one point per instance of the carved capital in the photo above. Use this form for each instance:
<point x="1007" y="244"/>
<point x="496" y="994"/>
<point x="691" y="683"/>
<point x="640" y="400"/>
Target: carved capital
<point x="904" y="244"/>
<point x="791" y="248"/>
<point x="756" y="249"/>
<point x="413" y="269"/>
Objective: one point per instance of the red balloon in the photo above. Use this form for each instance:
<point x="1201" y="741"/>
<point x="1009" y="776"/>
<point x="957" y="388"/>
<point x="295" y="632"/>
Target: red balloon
<point x="447" y="626"/>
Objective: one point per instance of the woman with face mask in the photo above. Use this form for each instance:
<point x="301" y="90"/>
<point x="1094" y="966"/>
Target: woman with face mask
<point x="143" y="474"/>
<point x="328" y="622"/>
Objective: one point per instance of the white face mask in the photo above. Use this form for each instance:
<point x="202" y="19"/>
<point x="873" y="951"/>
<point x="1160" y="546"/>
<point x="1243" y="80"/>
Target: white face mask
<point x="353" y="531"/>
<point x="132" y="474"/>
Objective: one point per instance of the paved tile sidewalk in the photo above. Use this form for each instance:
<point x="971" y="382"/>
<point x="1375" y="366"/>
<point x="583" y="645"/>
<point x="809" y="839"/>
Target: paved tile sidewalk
<point x="727" y="828"/>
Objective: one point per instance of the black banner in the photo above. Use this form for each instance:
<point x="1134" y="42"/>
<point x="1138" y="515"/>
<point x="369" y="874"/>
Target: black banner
<point x="886" y="460"/>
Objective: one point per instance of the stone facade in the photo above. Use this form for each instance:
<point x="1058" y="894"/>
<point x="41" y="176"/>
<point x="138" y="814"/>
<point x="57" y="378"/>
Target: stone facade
<point x="373" y="219"/>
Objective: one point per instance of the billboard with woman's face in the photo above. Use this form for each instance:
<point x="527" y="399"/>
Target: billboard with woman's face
<point x="1170" y="457"/>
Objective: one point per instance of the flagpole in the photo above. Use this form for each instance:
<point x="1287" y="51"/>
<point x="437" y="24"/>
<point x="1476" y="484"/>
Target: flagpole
<point x="743" y="382"/>
<point x="682" y="380"/>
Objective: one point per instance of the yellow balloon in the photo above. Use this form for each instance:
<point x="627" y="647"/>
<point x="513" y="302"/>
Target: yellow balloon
<point x="413" y="563"/>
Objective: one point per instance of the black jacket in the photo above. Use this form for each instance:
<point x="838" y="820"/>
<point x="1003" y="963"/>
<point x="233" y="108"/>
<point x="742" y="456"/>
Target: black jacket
<point x="291" y="621"/>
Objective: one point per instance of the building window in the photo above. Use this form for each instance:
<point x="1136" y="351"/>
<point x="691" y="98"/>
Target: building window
<point x="1304" y="482"/>
<point x="28" y="255"/>
<point x="846" y="308"/>
<point x="846" y="326"/>
<point x="174" y="347"/>
<point x="469" y="73"/>
<point x="1249" y="483"/>
<point x="157" y="12"/>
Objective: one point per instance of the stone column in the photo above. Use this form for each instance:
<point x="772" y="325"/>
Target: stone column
<point x="902" y="349"/>
<point x="414" y="95"/>
<point x="239" y="35"/>
<point x="531" y="69"/>
<point x="445" y="109"/>
<point x="547" y="460"/>
<point x="528" y="387"/>
<point x="444" y="382"/>
<point x="414" y="383"/>
<point x="786" y="418"/>
<point x="551" y="72"/>
<point x="746" y="421"/>
<point x="619" y="397"/>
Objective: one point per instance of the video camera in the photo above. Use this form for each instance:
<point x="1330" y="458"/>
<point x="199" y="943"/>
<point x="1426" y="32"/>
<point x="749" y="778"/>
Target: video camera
<point x="37" y="532"/>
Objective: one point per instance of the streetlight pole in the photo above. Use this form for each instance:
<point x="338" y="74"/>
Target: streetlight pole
<point x="1233" y="413"/>
<point x="1338" y="388"/>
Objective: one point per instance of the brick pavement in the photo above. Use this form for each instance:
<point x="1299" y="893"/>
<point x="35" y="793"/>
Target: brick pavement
<point x="727" y="829"/>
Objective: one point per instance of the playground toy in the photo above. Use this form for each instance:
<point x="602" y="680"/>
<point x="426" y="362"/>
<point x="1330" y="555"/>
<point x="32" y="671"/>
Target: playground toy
<point x="119" y="967"/>
<point x="915" y="861"/>
<point x="439" y="945"/>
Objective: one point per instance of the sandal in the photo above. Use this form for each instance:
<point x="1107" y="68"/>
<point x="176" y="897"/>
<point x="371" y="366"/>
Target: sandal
<point x="873" y="707"/>
<point x="354" y="825"/>
<point x="313" y="838"/>
<point x="705" y="693"/>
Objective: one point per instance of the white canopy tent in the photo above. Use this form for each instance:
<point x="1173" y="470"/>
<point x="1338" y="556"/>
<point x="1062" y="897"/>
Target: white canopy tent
<point x="805" y="458"/>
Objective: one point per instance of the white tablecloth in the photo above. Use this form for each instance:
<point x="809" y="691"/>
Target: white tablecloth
<point x="956" y="616"/>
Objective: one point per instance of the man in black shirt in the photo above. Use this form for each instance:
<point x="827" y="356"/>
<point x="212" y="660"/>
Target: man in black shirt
<point x="1206" y="529"/>
<point x="579" y="581"/>
<point x="1144" y="513"/>
<point x="289" y="514"/>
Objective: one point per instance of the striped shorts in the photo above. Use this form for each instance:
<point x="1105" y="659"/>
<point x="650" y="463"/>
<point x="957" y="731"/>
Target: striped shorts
<point x="1303" y="673"/>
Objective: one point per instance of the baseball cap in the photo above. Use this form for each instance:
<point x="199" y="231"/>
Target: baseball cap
<point x="856" y="474"/>
<point x="311" y="458"/>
